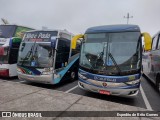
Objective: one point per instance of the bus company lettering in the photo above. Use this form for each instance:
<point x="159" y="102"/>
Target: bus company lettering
<point x="104" y="79"/>
<point x="43" y="35"/>
<point x="40" y="35"/>
<point x="30" y="35"/>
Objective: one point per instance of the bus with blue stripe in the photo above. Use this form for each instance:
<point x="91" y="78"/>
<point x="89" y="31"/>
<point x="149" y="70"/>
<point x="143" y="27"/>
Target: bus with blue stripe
<point x="45" y="56"/>
<point x="111" y="59"/>
<point x="10" y="39"/>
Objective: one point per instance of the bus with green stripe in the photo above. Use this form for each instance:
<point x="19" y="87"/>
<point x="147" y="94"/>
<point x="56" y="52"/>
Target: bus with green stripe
<point x="45" y="56"/>
<point x="10" y="39"/>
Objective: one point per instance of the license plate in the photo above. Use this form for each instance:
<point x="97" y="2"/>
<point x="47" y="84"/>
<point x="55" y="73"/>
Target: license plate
<point x="104" y="92"/>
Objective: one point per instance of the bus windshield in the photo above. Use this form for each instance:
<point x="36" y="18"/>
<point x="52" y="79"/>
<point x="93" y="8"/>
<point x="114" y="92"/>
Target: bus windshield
<point x="37" y="54"/>
<point x="7" y="31"/>
<point x="111" y="52"/>
<point x="36" y="50"/>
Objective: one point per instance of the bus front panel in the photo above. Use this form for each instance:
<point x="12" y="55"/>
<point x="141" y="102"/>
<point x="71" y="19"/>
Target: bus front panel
<point x="116" y="58"/>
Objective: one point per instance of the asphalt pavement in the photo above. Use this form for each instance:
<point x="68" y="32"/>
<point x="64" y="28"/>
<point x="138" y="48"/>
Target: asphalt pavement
<point x="16" y="95"/>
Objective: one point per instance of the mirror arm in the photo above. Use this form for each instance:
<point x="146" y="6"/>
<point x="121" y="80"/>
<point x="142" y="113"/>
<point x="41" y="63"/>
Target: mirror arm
<point x="74" y="40"/>
<point x="147" y="41"/>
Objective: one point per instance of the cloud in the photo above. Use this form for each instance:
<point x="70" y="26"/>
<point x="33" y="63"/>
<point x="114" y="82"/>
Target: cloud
<point x="78" y="15"/>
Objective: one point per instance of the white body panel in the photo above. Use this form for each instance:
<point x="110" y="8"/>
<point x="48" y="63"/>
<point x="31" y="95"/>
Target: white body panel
<point x="12" y="69"/>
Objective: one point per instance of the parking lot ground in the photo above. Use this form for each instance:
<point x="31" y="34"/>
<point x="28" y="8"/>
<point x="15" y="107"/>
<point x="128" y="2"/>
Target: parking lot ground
<point x="15" y="96"/>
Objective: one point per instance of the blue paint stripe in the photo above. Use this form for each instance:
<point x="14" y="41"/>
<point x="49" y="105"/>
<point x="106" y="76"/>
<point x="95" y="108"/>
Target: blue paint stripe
<point x="124" y="87"/>
<point x="34" y="71"/>
<point x="118" y="78"/>
<point x="64" y="71"/>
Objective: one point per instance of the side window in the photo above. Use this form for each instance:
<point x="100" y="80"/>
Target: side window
<point x="63" y="50"/>
<point x="13" y="55"/>
<point x="154" y="43"/>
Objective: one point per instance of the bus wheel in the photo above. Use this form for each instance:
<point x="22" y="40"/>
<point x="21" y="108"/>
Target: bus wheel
<point x="73" y="75"/>
<point x="158" y="82"/>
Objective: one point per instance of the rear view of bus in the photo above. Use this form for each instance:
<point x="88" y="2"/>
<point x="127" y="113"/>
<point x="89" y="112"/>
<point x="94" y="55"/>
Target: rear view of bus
<point x="111" y="60"/>
<point x="10" y="38"/>
<point x="45" y="56"/>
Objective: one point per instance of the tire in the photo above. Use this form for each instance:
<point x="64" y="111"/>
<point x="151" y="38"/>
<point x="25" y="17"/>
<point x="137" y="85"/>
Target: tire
<point x="158" y="82"/>
<point x="74" y="75"/>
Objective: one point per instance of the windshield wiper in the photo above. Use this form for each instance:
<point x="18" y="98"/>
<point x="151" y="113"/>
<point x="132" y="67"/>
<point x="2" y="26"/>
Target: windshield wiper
<point x="115" y="63"/>
<point x="28" y="54"/>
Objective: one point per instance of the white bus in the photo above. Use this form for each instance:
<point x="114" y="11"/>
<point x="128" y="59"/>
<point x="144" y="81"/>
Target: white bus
<point x="46" y="56"/>
<point x="151" y="61"/>
<point x="10" y="38"/>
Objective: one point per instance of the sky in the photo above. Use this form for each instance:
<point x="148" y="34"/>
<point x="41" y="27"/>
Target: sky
<point x="78" y="15"/>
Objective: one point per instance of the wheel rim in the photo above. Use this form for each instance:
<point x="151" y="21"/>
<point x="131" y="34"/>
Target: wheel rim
<point x="72" y="75"/>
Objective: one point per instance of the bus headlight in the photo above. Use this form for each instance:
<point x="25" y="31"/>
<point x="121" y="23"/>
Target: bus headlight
<point x="56" y="76"/>
<point x="133" y="82"/>
<point x="47" y="71"/>
<point x="18" y="69"/>
<point x="82" y="76"/>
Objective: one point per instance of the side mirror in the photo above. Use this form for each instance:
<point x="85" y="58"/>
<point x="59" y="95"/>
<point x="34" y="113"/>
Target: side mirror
<point x="74" y="40"/>
<point x="147" y="41"/>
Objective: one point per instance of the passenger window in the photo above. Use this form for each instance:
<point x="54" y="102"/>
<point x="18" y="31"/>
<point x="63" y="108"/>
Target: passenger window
<point x="13" y="55"/>
<point x="154" y="43"/>
<point x="63" y="50"/>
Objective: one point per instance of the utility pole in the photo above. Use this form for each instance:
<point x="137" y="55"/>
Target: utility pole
<point x="128" y="17"/>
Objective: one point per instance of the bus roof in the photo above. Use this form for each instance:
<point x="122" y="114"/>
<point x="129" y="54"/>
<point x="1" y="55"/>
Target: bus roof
<point x="50" y="30"/>
<point x="16" y="25"/>
<point x="113" y="28"/>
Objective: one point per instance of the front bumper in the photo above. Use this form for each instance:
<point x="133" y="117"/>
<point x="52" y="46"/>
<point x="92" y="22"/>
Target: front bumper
<point x="117" y="91"/>
<point x="47" y="79"/>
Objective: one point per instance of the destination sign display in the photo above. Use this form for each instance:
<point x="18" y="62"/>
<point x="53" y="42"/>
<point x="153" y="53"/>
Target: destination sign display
<point x="39" y="36"/>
